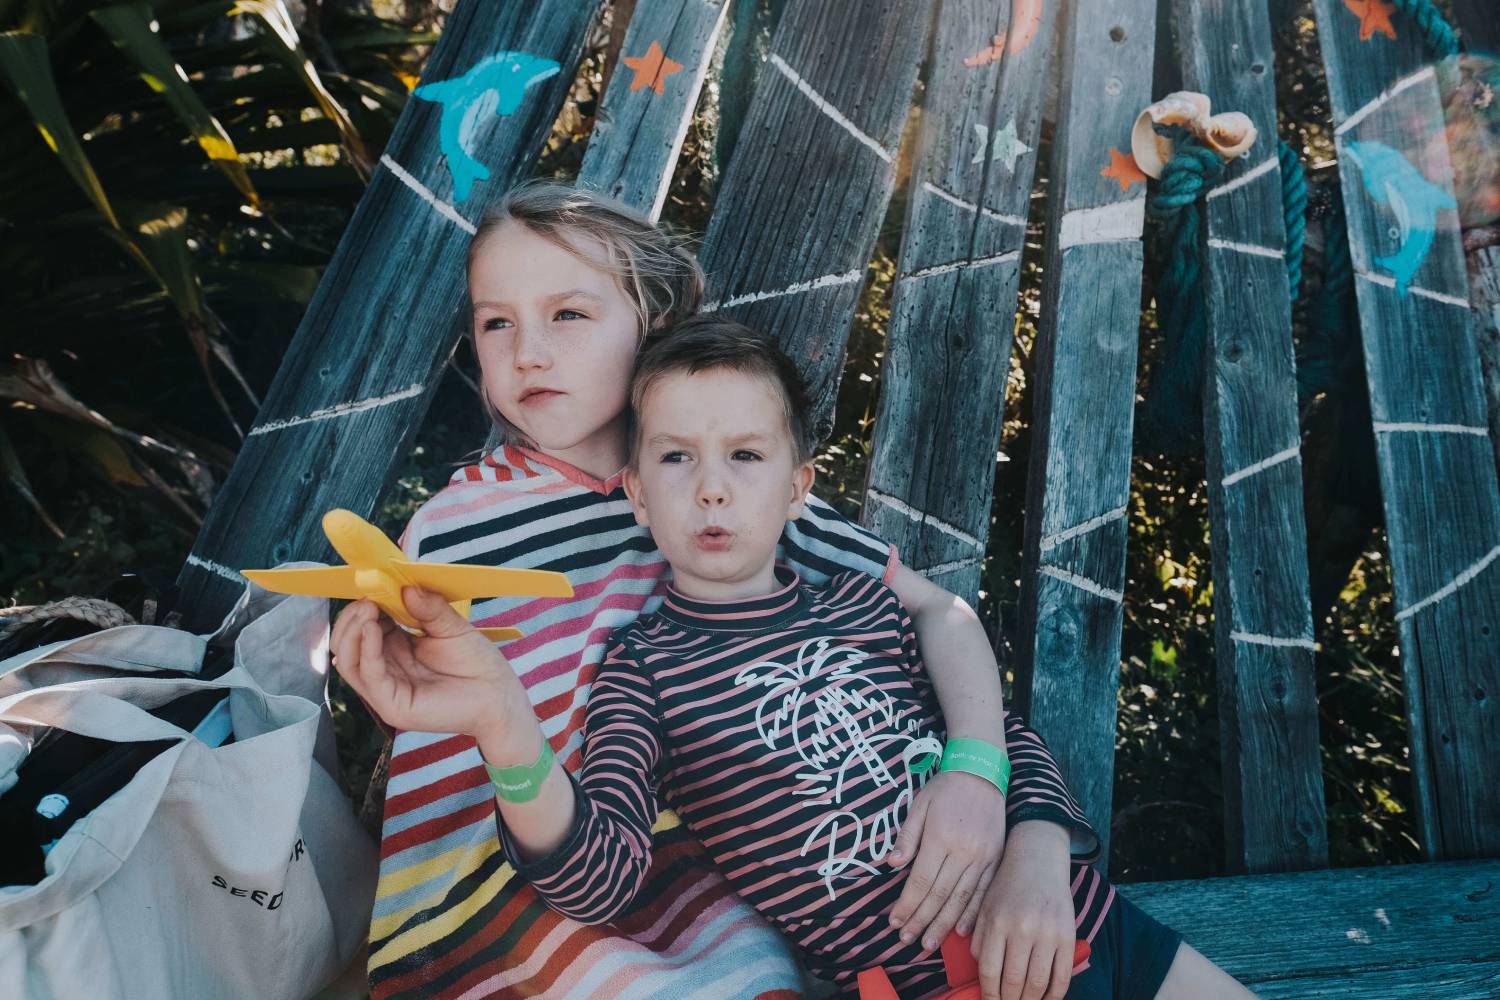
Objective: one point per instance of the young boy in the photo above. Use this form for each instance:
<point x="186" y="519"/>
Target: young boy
<point x="788" y="726"/>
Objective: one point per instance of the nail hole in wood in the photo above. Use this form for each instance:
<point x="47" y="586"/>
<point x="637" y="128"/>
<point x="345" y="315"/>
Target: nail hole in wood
<point x="1117" y="34"/>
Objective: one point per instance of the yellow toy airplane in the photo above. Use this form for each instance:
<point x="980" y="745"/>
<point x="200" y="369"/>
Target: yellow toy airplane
<point x="377" y="569"/>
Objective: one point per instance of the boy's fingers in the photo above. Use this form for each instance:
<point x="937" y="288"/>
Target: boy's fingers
<point x="910" y="837"/>
<point x="970" y="916"/>
<point x="964" y="893"/>
<point x="949" y="871"/>
<point x="991" y="958"/>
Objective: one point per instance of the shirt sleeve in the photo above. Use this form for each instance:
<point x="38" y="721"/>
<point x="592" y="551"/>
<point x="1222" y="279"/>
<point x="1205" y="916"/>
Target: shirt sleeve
<point x="823" y="543"/>
<point x="598" y="870"/>
<point x="1037" y="790"/>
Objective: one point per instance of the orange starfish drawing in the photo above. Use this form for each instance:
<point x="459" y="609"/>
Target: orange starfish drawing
<point x="652" y="69"/>
<point x="1122" y="167"/>
<point x="1374" y="15"/>
<point x="1028" y="19"/>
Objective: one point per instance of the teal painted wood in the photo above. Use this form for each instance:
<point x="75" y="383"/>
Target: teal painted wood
<point x="1420" y="931"/>
<point x="362" y="367"/>
<point x="801" y="203"/>
<point x="932" y="468"/>
<point x="1078" y="487"/>
<point x="1268" y="702"/>
<point x="1438" y="482"/>
<point x="639" y="132"/>
<point x="1478" y="25"/>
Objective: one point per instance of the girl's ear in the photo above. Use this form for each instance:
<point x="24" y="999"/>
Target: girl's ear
<point x="631" y="480"/>
<point x="802" y="480"/>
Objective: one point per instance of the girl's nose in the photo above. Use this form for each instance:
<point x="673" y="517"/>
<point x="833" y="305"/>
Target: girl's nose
<point x="532" y="349"/>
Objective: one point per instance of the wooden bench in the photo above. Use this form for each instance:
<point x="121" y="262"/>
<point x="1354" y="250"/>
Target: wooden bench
<point x="794" y="224"/>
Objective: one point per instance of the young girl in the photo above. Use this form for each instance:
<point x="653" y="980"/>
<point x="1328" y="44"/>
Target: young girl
<point x="565" y="287"/>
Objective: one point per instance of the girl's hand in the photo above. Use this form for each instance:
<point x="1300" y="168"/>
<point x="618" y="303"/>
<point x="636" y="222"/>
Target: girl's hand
<point x="955" y="830"/>
<point x="450" y="680"/>
<point x="1023" y="939"/>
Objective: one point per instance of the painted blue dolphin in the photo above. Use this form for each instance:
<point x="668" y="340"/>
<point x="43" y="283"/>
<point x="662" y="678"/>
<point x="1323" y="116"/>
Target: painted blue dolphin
<point x="496" y="84"/>
<point x="1392" y="180"/>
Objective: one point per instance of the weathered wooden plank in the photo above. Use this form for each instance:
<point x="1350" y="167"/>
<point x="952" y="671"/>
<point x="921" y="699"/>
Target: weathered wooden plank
<point x="1425" y="930"/>
<point x="650" y="101"/>
<point x="932" y="467"/>
<point x="362" y="368"/>
<point x="1268" y="703"/>
<point x="1479" y="25"/>
<point x="1438" y="483"/>
<point x="801" y="203"/>
<point x="1078" y="488"/>
<point x="1484" y="298"/>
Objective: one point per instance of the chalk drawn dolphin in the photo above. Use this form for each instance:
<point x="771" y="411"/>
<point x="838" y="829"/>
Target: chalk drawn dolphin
<point x="496" y="84"/>
<point x="1391" y="180"/>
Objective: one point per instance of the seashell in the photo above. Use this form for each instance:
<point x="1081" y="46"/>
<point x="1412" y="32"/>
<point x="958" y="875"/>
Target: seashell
<point x="1230" y="134"/>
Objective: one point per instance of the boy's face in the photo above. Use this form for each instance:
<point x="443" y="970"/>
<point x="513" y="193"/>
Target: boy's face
<point x="717" y="479"/>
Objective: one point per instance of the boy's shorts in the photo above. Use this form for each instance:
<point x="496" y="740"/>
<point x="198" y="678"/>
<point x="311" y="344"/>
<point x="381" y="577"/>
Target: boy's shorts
<point x="1128" y="958"/>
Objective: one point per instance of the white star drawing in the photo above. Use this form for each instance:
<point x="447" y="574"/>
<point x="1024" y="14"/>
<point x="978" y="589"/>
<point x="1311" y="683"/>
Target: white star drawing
<point x="1008" y="146"/>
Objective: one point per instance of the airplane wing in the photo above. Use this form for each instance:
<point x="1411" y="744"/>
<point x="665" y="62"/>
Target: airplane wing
<point x="456" y="581"/>
<point x="316" y="581"/>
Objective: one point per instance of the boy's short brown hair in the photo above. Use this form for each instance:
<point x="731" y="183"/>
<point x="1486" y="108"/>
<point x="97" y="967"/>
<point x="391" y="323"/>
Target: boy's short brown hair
<point x="706" y="342"/>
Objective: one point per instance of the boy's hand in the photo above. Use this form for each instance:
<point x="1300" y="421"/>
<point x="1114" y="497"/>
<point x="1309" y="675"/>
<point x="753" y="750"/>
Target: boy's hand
<point x="1024" y="937"/>
<point x="450" y="680"/>
<point x="955" y="830"/>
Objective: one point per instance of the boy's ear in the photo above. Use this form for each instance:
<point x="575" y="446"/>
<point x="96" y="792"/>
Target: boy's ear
<point x="631" y="480"/>
<point x="802" y="480"/>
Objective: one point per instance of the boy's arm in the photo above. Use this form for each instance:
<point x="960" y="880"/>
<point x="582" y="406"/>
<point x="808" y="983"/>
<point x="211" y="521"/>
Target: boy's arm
<point x="585" y="846"/>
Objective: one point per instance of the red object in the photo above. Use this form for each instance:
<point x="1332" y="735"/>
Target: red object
<point x="960" y="965"/>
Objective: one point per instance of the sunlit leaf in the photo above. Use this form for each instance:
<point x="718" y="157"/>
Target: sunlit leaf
<point x="133" y="30"/>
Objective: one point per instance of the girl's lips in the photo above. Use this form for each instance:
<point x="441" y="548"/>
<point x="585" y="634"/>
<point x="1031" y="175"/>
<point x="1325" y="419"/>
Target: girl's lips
<point x="539" y="396"/>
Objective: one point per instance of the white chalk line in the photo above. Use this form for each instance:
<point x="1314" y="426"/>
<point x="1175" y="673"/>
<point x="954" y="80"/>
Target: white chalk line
<point x="1112" y="223"/>
<point x="443" y="208"/>
<point x="1259" y="170"/>
<point x="338" y="410"/>
<point x="1250" y="248"/>
<point x="950" y="567"/>
<point x="902" y="507"/>
<point x="1274" y="640"/>
<point x="1452" y="586"/>
<point x="969" y="206"/>
<point x="215" y="568"/>
<point x="1426" y="293"/>
<point x="829" y="109"/>
<point x="1262" y="465"/>
<point x="959" y="265"/>
<point x="1426" y="73"/>
<point x="1413" y="427"/>
<point x="1083" y="583"/>
<point x="827" y="281"/>
<point x="1055" y="539"/>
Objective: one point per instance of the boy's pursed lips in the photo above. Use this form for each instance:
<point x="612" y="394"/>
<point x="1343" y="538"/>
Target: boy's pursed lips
<point x="714" y="538"/>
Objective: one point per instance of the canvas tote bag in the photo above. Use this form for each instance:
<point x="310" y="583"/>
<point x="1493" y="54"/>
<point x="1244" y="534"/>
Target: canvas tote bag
<point x="231" y="871"/>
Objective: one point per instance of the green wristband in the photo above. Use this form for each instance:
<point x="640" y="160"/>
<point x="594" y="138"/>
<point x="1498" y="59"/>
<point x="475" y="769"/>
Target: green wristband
<point x="979" y="758"/>
<point x="523" y="782"/>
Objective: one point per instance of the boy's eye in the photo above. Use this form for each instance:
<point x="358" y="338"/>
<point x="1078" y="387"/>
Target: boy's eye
<point x="569" y="314"/>
<point x="746" y="455"/>
<point x="674" y="457"/>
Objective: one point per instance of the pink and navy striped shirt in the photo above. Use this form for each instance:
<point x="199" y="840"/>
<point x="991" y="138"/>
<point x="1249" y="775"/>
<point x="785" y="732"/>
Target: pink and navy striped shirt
<point x="781" y="729"/>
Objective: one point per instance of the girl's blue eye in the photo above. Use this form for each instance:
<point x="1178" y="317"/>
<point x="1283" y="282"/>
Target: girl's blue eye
<point x="494" y="323"/>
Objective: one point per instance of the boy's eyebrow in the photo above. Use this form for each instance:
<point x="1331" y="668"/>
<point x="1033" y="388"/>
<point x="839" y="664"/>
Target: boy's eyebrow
<point x="663" y="437"/>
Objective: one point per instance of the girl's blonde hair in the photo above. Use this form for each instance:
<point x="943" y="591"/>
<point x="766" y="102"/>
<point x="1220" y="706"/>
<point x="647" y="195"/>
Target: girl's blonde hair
<point x="656" y="269"/>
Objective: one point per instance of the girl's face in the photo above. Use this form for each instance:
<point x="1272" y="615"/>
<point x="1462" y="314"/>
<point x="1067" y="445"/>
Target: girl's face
<point x="556" y="339"/>
<point x="717" y="478"/>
